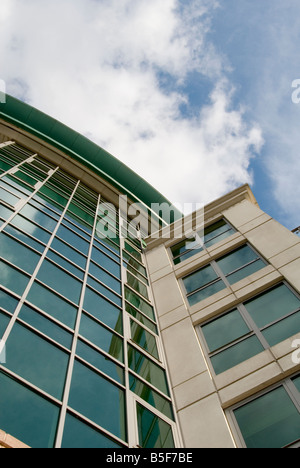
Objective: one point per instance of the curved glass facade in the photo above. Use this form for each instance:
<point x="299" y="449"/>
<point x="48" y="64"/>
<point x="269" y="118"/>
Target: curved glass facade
<point x="84" y="364"/>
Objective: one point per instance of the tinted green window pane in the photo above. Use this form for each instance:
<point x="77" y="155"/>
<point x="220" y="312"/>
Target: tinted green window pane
<point x="4" y="321"/>
<point x="26" y="415"/>
<point x="224" y="330"/>
<point x="26" y="178"/>
<point x="4" y="166"/>
<point x="137" y="285"/>
<point x="86" y="216"/>
<point x="246" y="271"/>
<point x="296" y="382"/>
<point x="150" y="396"/>
<point x="62" y="282"/>
<point x="101" y="337"/>
<point x="153" y="431"/>
<point x="136" y="273"/>
<point x="45" y="325"/>
<point x="141" y="318"/>
<point x="53" y="305"/>
<point x="282" y="330"/>
<point x="271" y="421"/>
<point x="5" y="213"/>
<point x="272" y="305"/>
<point x="215" y="232"/>
<point x="147" y="369"/>
<point x="236" y="259"/>
<point x="113" y="245"/>
<point x="199" y="278"/>
<point x="73" y="239"/>
<point x="8" y="302"/>
<point x="186" y="255"/>
<point x="183" y="246"/>
<point x="105" y="278"/>
<point x="144" y="339"/>
<point x="18" y="254"/>
<point x="134" y="263"/>
<point x="36" y="360"/>
<point x="139" y="303"/>
<point x="38" y="217"/>
<point x="80" y="435"/>
<point x="18" y="184"/>
<point x="9" y="198"/>
<point x="100" y="361"/>
<point x="105" y="262"/>
<point x="98" y="399"/>
<point x="236" y="354"/>
<point x="12" y="278"/>
<point x="66" y="265"/>
<point x="25" y="238"/>
<point x="53" y="195"/>
<point x="31" y="229"/>
<point x="103" y="310"/>
<point x="134" y="253"/>
<point x="69" y="253"/>
<point x="206" y="292"/>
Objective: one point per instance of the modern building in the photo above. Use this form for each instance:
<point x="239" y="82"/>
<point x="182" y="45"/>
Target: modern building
<point x="123" y="326"/>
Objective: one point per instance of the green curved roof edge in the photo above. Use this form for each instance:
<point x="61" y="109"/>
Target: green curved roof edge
<point x="80" y="148"/>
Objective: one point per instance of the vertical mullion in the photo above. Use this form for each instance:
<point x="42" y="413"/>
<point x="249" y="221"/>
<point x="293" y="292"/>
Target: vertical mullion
<point x="67" y="388"/>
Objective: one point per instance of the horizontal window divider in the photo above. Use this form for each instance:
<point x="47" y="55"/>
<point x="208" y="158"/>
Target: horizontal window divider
<point x="64" y="258"/>
<point x="101" y="294"/>
<point x="139" y="295"/>
<point x="140" y="312"/>
<point x="100" y="351"/>
<point x="145" y="382"/>
<point x="145" y="353"/>
<point x="107" y="327"/>
<point x="232" y="343"/>
<point x="61" y="268"/>
<point x="95" y="426"/>
<point x="244" y="266"/>
<point x="16" y="268"/>
<point x="136" y="274"/>
<point x="43" y="335"/>
<point x="281" y="319"/>
<point x="55" y="293"/>
<point x="143" y="326"/>
<point x="153" y="409"/>
<point x="99" y="372"/>
<point x="82" y="233"/>
<point x="35" y="223"/>
<point x="105" y="271"/>
<point x="11" y="236"/>
<point x="30" y="386"/>
<point x="206" y="286"/>
<point x="47" y="316"/>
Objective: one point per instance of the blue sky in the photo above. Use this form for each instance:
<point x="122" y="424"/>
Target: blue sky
<point x="194" y="95"/>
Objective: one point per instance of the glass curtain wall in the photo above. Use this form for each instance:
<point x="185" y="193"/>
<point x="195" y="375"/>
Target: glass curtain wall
<point x="80" y="333"/>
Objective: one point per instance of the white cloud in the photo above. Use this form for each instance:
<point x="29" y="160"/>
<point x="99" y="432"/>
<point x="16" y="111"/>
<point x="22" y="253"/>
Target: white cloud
<point x="93" y="64"/>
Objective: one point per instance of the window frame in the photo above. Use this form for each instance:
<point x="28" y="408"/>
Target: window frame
<point x="254" y="329"/>
<point x="293" y="394"/>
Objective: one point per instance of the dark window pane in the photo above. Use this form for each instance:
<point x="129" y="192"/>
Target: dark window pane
<point x="246" y="271"/>
<point x="26" y="415"/>
<point x="8" y="302"/>
<point x="25" y="238"/>
<point x="73" y="239"/>
<point x="141" y="318"/>
<point x="199" y="279"/>
<point x="105" y="278"/>
<point x="237" y="259"/>
<point x="153" y="431"/>
<point x="206" y="292"/>
<point x="80" y="435"/>
<point x="272" y="305"/>
<point x="46" y="326"/>
<point x="69" y="253"/>
<point x="137" y="285"/>
<point x="4" y="321"/>
<point x="236" y="354"/>
<point x="296" y="382"/>
<point x="18" y="254"/>
<point x="105" y="262"/>
<point x="271" y="421"/>
<point x="144" y="339"/>
<point x="61" y="281"/>
<point x="282" y="330"/>
<point x="52" y="304"/>
<point x="5" y="212"/>
<point x="36" y="360"/>
<point x="103" y="310"/>
<point x="150" y="396"/>
<point x="100" y="361"/>
<point x="12" y="278"/>
<point x="66" y="265"/>
<point x="98" y="399"/>
<point x="147" y="369"/>
<point x="139" y="303"/>
<point x="101" y="337"/>
<point x="225" y="330"/>
<point x="8" y="197"/>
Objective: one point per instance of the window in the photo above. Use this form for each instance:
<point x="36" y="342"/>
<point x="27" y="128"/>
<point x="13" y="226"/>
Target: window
<point x="252" y="327"/>
<point x="221" y="273"/>
<point x="273" y="419"/>
<point x="153" y="431"/>
<point x="144" y="339"/>
<point x="212" y="234"/>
